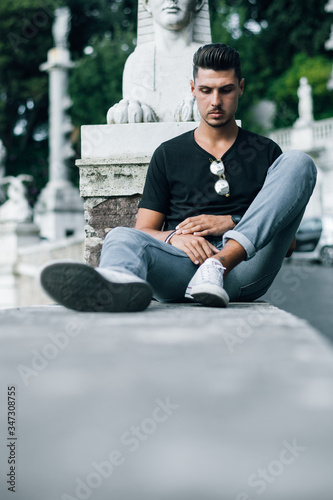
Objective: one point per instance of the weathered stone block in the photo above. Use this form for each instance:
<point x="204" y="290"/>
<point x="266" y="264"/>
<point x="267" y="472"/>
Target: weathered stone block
<point x="104" y="214"/>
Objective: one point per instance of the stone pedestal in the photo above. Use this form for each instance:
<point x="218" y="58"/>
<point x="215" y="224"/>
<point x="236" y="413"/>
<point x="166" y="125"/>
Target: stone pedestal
<point x="113" y="169"/>
<point x="59" y="211"/>
<point x="13" y="235"/>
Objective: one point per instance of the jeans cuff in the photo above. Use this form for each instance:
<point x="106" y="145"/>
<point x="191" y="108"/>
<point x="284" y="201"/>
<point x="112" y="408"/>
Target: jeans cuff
<point x="242" y="240"/>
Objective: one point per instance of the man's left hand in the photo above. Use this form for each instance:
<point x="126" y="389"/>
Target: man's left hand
<point x="206" y="225"/>
<point x="291" y="248"/>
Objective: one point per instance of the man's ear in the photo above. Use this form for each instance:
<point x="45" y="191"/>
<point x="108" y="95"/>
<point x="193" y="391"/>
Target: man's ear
<point x="192" y="88"/>
<point x="146" y="6"/>
<point x="241" y="86"/>
<point x="199" y="4"/>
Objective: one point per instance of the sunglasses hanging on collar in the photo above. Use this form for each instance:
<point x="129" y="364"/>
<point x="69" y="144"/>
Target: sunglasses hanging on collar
<point x="221" y="186"/>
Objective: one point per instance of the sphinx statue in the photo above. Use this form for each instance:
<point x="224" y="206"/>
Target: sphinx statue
<point x="157" y="75"/>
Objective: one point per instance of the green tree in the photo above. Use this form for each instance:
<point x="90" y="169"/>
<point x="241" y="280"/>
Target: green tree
<point x="96" y="82"/>
<point x="25" y="38"/>
<point x="269" y="34"/>
<point x="283" y="90"/>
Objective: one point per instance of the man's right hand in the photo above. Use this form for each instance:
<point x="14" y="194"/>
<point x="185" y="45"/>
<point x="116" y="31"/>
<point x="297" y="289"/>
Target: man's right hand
<point x="196" y="248"/>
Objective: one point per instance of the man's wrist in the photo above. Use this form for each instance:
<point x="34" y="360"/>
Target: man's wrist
<point x="170" y="235"/>
<point x="236" y="219"/>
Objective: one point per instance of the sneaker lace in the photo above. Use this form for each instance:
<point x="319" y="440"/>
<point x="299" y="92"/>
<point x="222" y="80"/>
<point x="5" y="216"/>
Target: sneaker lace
<point x="212" y="274"/>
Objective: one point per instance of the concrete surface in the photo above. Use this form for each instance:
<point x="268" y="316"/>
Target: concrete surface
<point x="128" y="139"/>
<point x="179" y="402"/>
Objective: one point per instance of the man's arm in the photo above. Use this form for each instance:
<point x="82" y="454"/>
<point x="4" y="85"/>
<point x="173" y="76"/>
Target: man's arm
<point x="214" y="225"/>
<point x="197" y="248"/>
<point x="206" y="225"/>
<point x="151" y="222"/>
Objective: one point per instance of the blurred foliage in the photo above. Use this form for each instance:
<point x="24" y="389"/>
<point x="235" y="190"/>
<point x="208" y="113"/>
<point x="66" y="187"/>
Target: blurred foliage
<point x="283" y="90"/>
<point x="96" y="82"/>
<point x="25" y="38"/>
<point x="269" y="34"/>
<point x="279" y="41"/>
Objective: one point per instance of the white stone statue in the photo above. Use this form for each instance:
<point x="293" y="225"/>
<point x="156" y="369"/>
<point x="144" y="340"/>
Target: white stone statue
<point x="157" y="75"/>
<point x="329" y="6"/>
<point x="61" y="27"/>
<point x="305" y="103"/>
<point x="16" y="208"/>
<point x="2" y="170"/>
<point x="329" y="42"/>
<point x="2" y="154"/>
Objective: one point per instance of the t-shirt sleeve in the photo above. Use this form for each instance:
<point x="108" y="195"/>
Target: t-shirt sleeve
<point x="156" y="193"/>
<point x="275" y="152"/>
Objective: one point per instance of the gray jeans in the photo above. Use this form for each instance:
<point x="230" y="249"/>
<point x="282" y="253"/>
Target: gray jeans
<point x="265" y="231"/>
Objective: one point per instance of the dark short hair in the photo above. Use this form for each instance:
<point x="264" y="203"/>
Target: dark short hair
<point x="217" y="56"/>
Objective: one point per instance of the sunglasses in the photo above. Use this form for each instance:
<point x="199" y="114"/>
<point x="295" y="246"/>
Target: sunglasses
<point x="221" y="186"/>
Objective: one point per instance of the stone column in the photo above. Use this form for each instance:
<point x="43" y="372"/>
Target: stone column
<point x="57" y="66"/>
<point x="59" y="210"/>
<point x="2" y="170"/>
<point x="329" y="43"/>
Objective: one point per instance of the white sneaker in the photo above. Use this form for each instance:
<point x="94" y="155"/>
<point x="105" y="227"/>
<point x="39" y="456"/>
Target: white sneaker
<point x="206" y="286"/>
<point x="83" y="288"/>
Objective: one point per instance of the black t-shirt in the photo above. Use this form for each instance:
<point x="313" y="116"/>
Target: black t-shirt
<point x="179" y="183"/>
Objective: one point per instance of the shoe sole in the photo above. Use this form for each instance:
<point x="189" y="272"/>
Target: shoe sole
<point x="210" y="299"/>
<point x="80" y="287"/>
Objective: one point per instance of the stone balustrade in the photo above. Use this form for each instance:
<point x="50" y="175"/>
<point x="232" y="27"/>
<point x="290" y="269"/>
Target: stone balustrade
<point x="319" y="134"/>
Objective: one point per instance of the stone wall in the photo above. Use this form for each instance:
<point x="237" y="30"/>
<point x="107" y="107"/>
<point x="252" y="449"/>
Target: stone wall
<point x="104" y="214"/>
<point x="111" y="190"/>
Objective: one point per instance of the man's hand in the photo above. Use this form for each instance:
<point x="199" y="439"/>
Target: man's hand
<point x="197" y="249"/>
<point x="291" y="248"/>
<point x="206" y="225"/>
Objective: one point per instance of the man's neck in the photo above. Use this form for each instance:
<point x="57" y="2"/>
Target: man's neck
<point x="173" y="41"/>
<point x="216" y="140"/>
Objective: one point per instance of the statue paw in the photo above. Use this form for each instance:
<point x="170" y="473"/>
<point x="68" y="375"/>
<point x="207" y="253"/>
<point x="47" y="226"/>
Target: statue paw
<point x="130" y="111"/>
<point x="148" y="114"/>
<point x="187" y="111"/>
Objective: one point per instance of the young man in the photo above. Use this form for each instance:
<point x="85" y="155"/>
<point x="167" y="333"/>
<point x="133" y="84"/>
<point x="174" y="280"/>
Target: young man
<point x="219" y="211"/>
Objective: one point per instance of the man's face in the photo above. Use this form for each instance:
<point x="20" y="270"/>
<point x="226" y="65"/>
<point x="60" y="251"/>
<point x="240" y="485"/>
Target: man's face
<point x="217" y="94"/>
<point x="172" y="14"/>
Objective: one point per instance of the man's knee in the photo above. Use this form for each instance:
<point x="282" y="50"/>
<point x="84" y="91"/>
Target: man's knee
<point x="120" y="233"/>
<point x="128" y="236"/>
<point x="300" y="161"/>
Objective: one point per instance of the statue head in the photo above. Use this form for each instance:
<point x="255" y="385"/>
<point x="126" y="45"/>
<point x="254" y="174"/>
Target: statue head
<point x="303" y="81"/>
<point x="61" y="26"/>
<point x="173" y="15"/>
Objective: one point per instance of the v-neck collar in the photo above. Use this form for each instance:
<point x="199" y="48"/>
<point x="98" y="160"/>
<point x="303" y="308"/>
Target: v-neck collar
<point x="233" y="145"/>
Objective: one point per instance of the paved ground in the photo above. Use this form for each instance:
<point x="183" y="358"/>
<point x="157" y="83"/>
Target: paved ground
<point x="306" y="290"/>
<point x="179" y="402"/>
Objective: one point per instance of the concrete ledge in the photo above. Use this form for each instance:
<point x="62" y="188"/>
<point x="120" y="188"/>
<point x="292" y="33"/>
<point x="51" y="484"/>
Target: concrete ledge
<point x="179" y="402"/>
<point x="138" y="139"/>
<point x="115" y="177"/>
